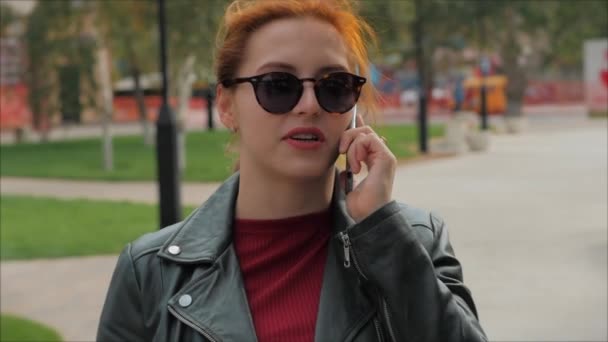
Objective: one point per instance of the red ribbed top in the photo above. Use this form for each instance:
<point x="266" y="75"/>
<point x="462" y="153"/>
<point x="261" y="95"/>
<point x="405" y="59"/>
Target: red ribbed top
<point x="282" y="262"/>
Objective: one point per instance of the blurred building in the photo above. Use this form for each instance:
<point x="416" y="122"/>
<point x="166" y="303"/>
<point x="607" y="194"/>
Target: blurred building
<point x="14" y="109"/>
<point x="21" y="7"/>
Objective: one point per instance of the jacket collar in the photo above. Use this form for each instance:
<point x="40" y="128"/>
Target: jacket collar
<point x="206" y="233"/>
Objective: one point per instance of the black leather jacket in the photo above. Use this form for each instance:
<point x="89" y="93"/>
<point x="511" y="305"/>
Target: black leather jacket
<point x="183" y="283"/>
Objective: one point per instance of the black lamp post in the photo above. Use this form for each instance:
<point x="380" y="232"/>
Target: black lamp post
<point x="209" y="96"/>
<point x="422" y="115"/>
<point x="483" y="97"/>
<point x="484" y="67"/>
<point x="166" y="141"/>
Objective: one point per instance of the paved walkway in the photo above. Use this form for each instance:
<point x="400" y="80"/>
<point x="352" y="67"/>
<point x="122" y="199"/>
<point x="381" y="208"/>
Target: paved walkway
<point x="527" y="220"/>
<point x="144" y="192"/>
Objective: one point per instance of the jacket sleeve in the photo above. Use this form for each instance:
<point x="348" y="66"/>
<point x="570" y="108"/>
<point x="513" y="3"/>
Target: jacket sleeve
<point x="421" y="295"/>
<point x="121" y="317"/>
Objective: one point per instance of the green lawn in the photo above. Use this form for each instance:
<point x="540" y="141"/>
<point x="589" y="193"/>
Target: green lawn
<point x="403" y="139"/>
<point x="50" y="228"/>
<point x="205" y="154"/>
<point x="81" y="159"/>
<point x="16" y="329"/>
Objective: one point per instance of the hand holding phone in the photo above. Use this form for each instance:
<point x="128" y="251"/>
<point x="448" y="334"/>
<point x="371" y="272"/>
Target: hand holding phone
<point x="363" y="147"/>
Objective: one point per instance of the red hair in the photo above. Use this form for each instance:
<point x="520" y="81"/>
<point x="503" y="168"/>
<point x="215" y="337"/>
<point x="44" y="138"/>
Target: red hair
<point x="243" y="17"/>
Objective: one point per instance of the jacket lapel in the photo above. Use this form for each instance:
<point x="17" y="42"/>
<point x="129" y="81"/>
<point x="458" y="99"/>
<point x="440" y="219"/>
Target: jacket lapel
<point x="215" y="304"/>
<point x="213" y="301"/>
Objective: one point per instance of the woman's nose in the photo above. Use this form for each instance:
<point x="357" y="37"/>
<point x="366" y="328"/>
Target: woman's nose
<point x="308" y="103"/>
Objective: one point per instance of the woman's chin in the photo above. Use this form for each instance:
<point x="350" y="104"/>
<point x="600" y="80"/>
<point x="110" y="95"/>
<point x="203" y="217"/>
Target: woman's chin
<point x="307" y="171"/>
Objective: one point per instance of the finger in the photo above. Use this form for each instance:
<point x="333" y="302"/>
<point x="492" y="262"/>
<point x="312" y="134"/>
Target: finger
<point x="349" y="135"/>
<point x="357" y="151"/>
<point x="351" y="155"/>
<point x="364" y="148"/>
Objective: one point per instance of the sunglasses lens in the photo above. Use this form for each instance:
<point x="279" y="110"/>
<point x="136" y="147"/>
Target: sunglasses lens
<point x="338" y="92"/>
<point x="278" y="92"/>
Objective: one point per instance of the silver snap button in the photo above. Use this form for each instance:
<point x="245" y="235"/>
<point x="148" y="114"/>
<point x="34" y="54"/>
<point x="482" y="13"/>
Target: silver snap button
<point x="185" y="300"/>
<point x="175" y="250"/>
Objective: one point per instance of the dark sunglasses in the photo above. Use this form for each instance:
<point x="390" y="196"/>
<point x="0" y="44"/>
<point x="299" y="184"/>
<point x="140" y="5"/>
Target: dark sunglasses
<point x="280" y="92"/>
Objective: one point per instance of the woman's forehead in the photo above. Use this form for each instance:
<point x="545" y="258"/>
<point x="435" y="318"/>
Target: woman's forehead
<point x="297" y="45"/>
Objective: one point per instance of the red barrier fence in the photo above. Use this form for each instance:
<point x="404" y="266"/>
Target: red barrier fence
<point x="554" y="92"/>
<point x="14" y="110"/>
<point x="15" y="113"/>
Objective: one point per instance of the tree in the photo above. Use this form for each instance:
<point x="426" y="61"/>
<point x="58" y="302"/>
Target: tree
<point x="567" y="26"/>
<point x="54" y="38"/>
<point x="106" y="107"/>
<point x="529" y="35"/>
<point x="129" y="28"/>
<point x="7" y="17"/>
<point x="540" y="34"/>
<point x="442" y="26"/>
<point x="191" y="27"/>
<point x="392" y="21"/>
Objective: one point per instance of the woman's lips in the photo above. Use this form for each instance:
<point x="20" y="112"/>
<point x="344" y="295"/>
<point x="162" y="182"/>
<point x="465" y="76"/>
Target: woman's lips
<point x="297" y="138"/>
<point x="304" y="144"/>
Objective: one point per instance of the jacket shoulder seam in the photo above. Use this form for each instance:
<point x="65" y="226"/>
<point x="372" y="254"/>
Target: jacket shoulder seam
<point x="153" y="241"/>
<point x="145" y="252"/>
<point x="413" y="216"/>
<point x="423" y="226"/>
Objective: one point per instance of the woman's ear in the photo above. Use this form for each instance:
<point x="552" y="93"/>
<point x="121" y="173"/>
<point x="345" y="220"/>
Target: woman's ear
<point x="225" y="107"/>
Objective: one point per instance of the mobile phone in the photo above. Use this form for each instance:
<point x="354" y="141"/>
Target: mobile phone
<point x="349" y="173"/>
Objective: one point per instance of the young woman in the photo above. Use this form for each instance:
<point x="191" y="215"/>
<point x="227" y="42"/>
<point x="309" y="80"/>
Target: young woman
<point x="281" y="252"/>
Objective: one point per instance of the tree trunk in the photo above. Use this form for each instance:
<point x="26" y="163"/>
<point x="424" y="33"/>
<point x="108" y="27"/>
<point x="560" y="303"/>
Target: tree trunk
<point x="516" y="85"/>
<point x="44" y="126"/>
<point x="106" y="108"/>
<point x="39" y="105"/>
<point x="184" y="92"/>
<point x="514" y="67"/>
<point x="141" y="106"/>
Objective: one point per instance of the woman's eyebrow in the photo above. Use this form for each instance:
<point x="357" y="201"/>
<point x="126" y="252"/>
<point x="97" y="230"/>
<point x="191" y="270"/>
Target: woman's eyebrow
<point x="277" y="65"/>
<point x="288" y="67"/>
<point x="331" y="68"/>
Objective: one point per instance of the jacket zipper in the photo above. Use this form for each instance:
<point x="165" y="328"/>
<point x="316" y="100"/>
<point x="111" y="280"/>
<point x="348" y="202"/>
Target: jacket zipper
<point x="378" y="330"/>
<point x="192" y="325"/>
<point x="348" y="252"/>
<point x="346" y="244"/>
<point x="387" y="317"/>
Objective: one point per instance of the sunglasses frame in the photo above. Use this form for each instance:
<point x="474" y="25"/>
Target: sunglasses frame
<point x="257" y="79"/>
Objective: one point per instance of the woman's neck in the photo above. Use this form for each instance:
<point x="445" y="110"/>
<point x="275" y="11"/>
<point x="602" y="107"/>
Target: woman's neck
<point x="275" y="197"/>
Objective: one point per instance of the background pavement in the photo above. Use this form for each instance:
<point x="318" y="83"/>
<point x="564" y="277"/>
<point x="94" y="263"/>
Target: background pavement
<point x="528" y="221"/>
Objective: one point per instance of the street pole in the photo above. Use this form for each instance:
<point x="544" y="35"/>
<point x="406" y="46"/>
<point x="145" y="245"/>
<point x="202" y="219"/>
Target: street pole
<point x="209" y="97"/>
<point x="484" y="67"/>
<point x="483" y="102"/>
<point x="422" y="115"/>
<point x="166" y="141"/>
